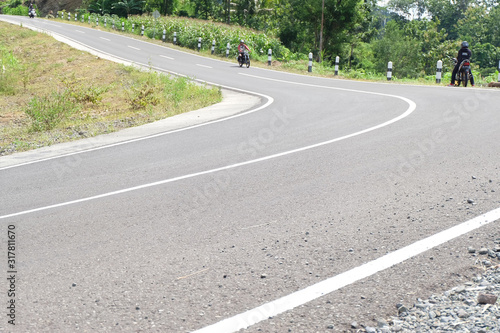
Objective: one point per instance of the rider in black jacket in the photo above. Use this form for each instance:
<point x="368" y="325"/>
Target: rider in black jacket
<point x="463" y="54"/>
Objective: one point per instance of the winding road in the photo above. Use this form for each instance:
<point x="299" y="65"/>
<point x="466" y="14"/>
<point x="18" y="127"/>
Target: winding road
<point x="326" y="202"/>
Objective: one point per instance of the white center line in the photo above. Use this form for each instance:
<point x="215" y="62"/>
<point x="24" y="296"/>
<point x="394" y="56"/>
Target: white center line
<point x="205" y="66"/>
<point x="80" y="31"/>
<point x="135" y="48"/>
<point x="298" y="298"/>
<point x="411" y="107"/>
<point x="109" y="40"/>
<point x="170" y="58"/>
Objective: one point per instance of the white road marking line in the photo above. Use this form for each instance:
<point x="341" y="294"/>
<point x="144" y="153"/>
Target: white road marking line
<point x="412" y="106"/>
<point x="270" y="101"/>
<point x="135" y="48"/>
<point x="170" y="58"/>
<point x="205" y="66"/>
<point x="109" y="40"/>
<point x="82" y="32"/>
<point x="289" y="302"/>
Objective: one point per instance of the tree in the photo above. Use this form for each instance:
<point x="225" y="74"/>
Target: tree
<point x="203" y="8"/>
<point x="102" y="7"/>
<point x="129" y="6"/>
<point x="165" y="7"/>
<point x="401" y="49"/>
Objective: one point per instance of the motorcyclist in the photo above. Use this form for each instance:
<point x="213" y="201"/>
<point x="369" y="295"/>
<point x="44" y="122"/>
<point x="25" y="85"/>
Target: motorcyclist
<point x="463" y="53"/>
<point x="31" y="11"/>
<point x="241" y="49"/>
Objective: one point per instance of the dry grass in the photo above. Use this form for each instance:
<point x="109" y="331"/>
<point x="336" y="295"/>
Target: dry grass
<point x="106" y="96"/>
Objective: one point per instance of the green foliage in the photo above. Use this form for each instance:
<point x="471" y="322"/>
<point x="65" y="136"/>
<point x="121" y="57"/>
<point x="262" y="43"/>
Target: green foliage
<point x="189" y="30"/>
<point x="85" y="93"/>
<point x="48" y="112"/>
<point x="19" y="10"/>
<point x="401" y="49"/>
<point x="153" y="89"/>
<point x="146" y="92"/>
<point x="8" y="72"/>
<point x="129" y="6"/>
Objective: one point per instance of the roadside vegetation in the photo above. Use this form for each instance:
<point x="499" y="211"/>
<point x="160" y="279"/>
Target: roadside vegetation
<point x="412" y="34"/>
<point x="51" y="93"/>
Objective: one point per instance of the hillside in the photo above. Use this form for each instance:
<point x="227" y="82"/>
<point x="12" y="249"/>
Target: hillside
<point x="47" y="6"/>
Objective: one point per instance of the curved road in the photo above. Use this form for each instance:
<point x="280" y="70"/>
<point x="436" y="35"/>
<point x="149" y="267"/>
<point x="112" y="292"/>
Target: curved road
<point x="293" y="211"/>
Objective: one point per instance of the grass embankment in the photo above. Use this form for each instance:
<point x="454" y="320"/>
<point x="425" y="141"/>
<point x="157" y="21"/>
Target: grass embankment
<point x="52" y="93"/>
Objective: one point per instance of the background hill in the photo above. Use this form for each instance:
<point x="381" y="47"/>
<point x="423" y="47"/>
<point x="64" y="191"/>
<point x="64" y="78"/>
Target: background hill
<point x="46" y="6"/>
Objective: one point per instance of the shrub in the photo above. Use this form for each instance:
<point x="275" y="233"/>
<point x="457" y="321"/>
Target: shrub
<point x="48" y="112"/>
<point x="19" y="10"/>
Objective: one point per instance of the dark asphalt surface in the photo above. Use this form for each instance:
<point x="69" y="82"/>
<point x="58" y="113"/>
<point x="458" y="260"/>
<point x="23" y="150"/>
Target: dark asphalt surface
<point x="185" y="254"/>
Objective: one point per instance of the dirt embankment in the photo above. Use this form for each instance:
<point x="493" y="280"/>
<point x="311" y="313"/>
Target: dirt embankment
<point x="47" y="6"/>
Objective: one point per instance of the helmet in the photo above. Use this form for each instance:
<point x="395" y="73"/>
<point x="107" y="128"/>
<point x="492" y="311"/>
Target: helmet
<point x="242" y="41"/>
<point x="465" y="44"/>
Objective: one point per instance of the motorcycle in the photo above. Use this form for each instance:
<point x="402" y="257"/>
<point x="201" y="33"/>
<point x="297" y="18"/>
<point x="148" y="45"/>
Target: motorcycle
<point x="32" y="13"/>
<point x="464" y="72"/>
<point x="244" y="59"/>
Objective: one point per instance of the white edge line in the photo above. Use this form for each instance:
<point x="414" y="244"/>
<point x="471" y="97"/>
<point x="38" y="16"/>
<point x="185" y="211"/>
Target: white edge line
<point x="293" y="300"/>
<point x="270" y="101"/>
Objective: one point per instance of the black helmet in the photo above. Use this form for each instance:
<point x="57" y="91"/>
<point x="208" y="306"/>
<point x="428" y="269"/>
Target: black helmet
<point x="242" y="41"/>
<point x="465" y="44"/>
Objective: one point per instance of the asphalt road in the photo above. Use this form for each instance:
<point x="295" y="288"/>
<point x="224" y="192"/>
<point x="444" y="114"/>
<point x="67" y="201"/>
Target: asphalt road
<point x="180" y="231"/>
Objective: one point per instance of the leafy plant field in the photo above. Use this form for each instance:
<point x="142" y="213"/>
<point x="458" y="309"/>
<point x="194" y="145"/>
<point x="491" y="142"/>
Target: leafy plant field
<point x="188" y="31"/>
<point x="51" y="93"/>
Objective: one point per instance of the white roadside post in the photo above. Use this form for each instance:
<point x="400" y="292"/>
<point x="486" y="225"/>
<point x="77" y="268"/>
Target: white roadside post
<point x="133" y="27"/>
<point x="163" y="38"/>
<point x="269" y="57"/>
<point x="439" y="71"/>
<point x="175" y="38"/>
<point x="142" y="30"/>
<point x="113" y="24"/>
<point x="83" y="18"/>
<point x="76" y="17"/>
<point x="213" y="47"/>
<point x="310" y="67"/>
<point x="97" y="21"/>
<point x="123" y="26"/>
<point x="199" y="44"/>
<point x="337" y="60"/>
<point x="498" y="71"/>
<point x="389" y="71"/>
<point x="105" y="22"/>
<point x="227" y="50"/>
<point x="69" y="16"/>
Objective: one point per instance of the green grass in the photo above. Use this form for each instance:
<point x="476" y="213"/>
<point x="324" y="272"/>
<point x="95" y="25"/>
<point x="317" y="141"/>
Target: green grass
<point x="51" y="93"/>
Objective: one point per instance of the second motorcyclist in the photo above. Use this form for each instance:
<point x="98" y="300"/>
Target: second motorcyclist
<point x="463" y="53"/>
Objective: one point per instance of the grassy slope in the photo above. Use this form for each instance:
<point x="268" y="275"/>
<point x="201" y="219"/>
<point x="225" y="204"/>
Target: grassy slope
<point x="106" y="96"/>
